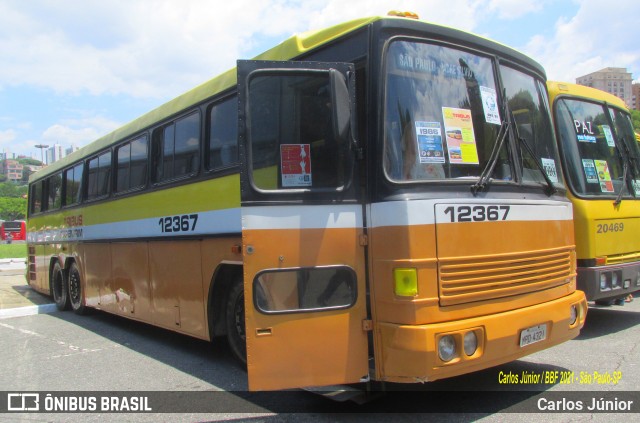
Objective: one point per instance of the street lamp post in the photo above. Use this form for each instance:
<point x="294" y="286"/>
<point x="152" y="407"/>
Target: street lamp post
<point x="42" y="147"/>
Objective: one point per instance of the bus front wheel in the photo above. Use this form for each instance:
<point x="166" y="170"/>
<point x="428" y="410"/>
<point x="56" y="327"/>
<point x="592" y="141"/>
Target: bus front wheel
<point x="59" y="288"/>
<point x="236" y="334"/>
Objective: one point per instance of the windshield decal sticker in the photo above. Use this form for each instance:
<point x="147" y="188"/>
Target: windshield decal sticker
<point x="608" y="135"/>
<point x="429" y="139"/>
<point x="295" y="162"/>
<point x="461" y="140"/>
<point x="590" y="171"/>
<point x="490" y="105"/>
<point x="549" y="166"/>
<point x="603" y="174"/>
<point x="584" y="131"/>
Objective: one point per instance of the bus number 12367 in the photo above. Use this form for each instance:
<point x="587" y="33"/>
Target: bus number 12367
<point x="183" y="223"/>
<point x="477" y="213"/>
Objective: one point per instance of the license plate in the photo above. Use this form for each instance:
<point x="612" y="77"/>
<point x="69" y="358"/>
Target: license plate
<point x="532" y="335"/>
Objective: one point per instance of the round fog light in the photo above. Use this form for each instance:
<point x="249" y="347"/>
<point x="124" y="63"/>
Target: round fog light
<point x="573" y="316"/>
<point x="447" y="348"/>
<point x="470" y="343"/>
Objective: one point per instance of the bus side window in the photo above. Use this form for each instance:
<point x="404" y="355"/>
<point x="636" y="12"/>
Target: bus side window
<point x="99" y="176"/>
<point x="72" y="184"/>
<point x="176" y="149"/>
<point x="131" y="160"/>
<point x="35" y="198"/>
<point x="54" y="192"/>
<point x="223" y="134"/>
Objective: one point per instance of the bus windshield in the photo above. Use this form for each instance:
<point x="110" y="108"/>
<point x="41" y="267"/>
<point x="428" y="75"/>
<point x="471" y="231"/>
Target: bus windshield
<point x="598" y="144"/>
<point x="443" y="118"/>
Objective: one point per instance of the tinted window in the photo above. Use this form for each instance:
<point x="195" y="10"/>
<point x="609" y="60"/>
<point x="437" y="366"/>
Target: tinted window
<point x="99" y="176"/>
<point x="176" y="149"/>
<point x="73" y="184"/>
<point x="291" y="129"/>
<point x="132" y="165"/>
<point x="54" y="190"/>
<point x="35" y="198"/>
<point x="223" y="134"/>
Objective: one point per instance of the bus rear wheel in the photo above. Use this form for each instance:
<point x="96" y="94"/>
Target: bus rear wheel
<point x="236" y="333"/>
<point x="59" y="288"/>
<point x="75" y="290"/>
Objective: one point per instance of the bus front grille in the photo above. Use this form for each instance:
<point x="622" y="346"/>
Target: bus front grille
<point x="469" y="279"/>
<point x="623" y="258"/>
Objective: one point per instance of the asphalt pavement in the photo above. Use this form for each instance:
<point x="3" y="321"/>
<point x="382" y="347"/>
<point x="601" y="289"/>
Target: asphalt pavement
<point x="16" y="296"/>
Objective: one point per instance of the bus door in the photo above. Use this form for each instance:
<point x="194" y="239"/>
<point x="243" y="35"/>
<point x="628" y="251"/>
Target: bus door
<point x="302" y="226"/>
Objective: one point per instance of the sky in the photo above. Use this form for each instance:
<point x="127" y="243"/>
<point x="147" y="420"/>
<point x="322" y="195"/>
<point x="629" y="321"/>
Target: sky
<point x="71" y="71"/>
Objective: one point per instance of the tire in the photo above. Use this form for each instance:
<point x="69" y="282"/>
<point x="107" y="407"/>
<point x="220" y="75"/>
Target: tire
<point x="236" y="334"/>
<point x="75" y="290"/>
<point x="59" y="288"/>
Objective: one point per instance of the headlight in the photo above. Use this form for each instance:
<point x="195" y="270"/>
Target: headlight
<point x="447" y="348"/>
<point x="470" y="343"/>
<point x="614" y="280"/>
<point x="603" y="281"/>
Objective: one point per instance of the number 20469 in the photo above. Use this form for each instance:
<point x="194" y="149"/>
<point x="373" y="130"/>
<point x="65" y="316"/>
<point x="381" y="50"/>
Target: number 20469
<point x="479" y="213"/>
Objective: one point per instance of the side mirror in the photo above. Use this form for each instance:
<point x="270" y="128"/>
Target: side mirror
<point x="341" y="106"/>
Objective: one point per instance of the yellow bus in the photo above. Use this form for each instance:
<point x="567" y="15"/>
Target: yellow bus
<point x="353" y="205"/>
<point x="600" y="160"/>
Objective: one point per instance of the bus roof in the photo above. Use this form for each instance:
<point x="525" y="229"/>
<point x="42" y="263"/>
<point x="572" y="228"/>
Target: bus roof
<point x="574" y="90"/>
<point x="292" y="47"/>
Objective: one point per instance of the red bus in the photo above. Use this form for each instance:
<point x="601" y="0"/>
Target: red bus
<point x="15" y="230"/>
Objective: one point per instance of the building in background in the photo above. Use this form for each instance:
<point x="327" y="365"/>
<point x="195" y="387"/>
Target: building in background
<point x="55" y="153"/>
<point x="12" y="170"/>
<point x="635" y="96"/>
<point x="71" y="149"/>
<point x="616" y="81"/>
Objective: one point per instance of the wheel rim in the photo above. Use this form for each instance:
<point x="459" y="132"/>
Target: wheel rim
<point x="57" y="286"/>
<point x="74" y="287"/>
<point x="238" y="314"/>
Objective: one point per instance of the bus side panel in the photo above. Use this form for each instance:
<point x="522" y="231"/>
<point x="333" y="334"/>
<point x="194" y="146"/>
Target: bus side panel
<point x="131" y="279"/>
<point x="41" y="283"/>
<point x="176" y="286"/>
<point x="98" y="290"/>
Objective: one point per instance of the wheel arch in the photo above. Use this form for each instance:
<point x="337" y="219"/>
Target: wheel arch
<point x="221" y="281"/>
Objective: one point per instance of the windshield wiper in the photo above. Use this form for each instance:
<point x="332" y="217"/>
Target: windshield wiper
<point x="551" y="189"/>
<point x="626" y="159"/>
<point x="625" y="167"/>
<point x="482" y="181"/>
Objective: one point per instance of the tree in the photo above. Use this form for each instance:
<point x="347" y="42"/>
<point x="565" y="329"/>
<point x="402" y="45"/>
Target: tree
<point x="13" y="208"/>
<point x="635" y="117"/>
<point x="29" y="161"/>
<point x="10" y="189"/>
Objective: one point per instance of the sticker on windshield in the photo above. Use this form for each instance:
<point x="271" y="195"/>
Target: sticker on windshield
<point x="608" y="135"/>
<point x="296" y="165"/>
<point x="461" y="140"/>
<point x="549" y="166"/>
<point x="490" y="105"/>
<point x="584" y="131"/>
<point x="429" y="139"/>
<point x="636" y="187"/>
<point x="603" y="175"/>
<point x="590" y="171"/>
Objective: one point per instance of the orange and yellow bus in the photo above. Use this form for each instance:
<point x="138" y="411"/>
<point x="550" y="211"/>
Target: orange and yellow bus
<point x="358" y="203"/>
<point x="601" y="163"/>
